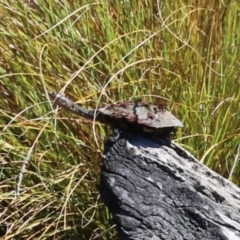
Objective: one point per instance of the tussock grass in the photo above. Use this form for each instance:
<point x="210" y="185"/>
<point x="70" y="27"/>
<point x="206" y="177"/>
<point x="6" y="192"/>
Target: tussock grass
<point x="184" y="53"/>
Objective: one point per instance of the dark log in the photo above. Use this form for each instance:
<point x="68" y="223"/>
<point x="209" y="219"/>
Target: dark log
<point x="157" y="190"/>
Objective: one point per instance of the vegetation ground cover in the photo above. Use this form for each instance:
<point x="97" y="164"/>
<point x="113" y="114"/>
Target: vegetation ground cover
<point x="184" y="53"/>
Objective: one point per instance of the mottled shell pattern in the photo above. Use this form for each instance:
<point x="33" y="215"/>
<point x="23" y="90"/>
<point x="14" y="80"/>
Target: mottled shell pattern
<point x="142" y="113"/>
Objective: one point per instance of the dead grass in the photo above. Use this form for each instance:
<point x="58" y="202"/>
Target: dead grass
<point x="184" y="53"/>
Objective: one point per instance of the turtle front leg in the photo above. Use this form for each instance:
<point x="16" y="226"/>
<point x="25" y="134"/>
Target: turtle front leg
<point x="116" y="134"/>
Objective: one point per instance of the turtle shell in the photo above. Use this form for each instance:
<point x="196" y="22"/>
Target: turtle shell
<point x="149" y="115"/>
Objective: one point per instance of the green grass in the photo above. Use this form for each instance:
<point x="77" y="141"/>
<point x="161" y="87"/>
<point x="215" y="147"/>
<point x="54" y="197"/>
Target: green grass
<point x="185" y="53"/>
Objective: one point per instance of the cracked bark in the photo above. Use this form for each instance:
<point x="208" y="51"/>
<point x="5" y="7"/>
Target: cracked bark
<point x="157" y="190"/>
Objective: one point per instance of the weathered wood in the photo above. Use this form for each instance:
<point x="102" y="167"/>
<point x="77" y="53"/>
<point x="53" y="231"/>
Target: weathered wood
<point x="156" y="190"/>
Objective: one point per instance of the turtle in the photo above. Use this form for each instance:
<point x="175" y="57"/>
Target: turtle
<point x="126" y="115"/>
